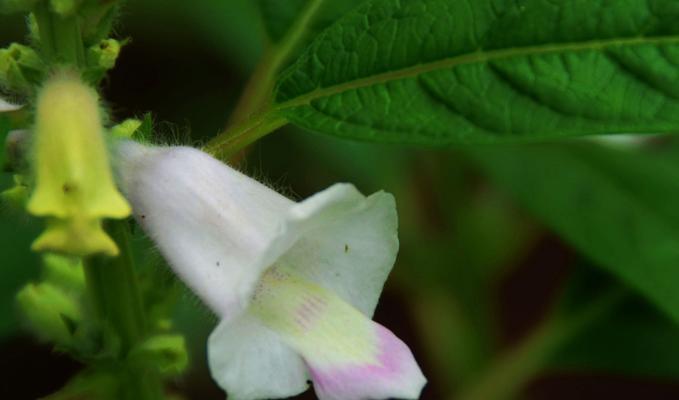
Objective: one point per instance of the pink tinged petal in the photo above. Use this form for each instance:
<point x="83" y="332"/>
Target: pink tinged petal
<point x="349" y="356"/>
<point x="250" y="362"/>
<point x="395" y="375"/>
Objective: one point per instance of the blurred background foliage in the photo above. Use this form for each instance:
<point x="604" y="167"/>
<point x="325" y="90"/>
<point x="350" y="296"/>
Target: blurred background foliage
<point x="520" y="267"/>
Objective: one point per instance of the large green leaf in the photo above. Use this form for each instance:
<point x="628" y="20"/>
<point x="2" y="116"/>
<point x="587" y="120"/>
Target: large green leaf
<point x="453" y="71"/>
<point x="614" y="206"/>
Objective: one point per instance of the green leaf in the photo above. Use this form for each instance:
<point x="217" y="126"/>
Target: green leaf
<point x="614" y="206"/>
<point x="439" y="72"/>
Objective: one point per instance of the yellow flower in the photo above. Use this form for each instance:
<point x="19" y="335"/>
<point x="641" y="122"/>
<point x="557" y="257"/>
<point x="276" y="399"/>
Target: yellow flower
<point x="74" y="184"/>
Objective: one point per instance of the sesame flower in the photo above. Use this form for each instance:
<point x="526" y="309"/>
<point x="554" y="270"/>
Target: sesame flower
<point x="294" y="283"/>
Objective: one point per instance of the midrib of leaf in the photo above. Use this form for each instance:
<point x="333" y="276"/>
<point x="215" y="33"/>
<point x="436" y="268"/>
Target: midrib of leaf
<point x="470" y="58"/>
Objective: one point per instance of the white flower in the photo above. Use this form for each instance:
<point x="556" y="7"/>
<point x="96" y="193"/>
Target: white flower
<point x="295" y="284"/>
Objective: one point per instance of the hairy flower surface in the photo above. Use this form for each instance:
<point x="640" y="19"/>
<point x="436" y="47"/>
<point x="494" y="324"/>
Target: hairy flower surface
<point x="295" y="284"/>
<point x="74" y="185"/>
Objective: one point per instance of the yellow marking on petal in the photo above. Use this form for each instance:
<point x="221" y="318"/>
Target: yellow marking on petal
<point x="74" y="182"/>
<point x="313" y="320"/>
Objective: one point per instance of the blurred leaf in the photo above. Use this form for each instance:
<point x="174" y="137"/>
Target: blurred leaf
<point x="438" y="72"/>
<point x="635" y="339"/>
<point x="605" y="202"/>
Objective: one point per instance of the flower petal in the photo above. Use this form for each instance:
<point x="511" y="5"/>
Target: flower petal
<point x="348" y="243"/>
<point x="211" y="222"/>
<point x="349" y="356"/>
<point x="220" y="230"/>
<point x="250" y="362"/>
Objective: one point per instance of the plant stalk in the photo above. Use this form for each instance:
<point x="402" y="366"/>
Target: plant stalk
<point x="60" y="37"/>
<point x="114" y="291"/>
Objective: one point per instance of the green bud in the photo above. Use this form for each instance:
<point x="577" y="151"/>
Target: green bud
<point x="101" y="58"/>
<point x="167" y="353"/>
<point x="74" y="185"/>
<point x="105" y="53"/>
<point x="51" y="313"/>
<point x="126" y="129"/>
<point x="20" y="68"/>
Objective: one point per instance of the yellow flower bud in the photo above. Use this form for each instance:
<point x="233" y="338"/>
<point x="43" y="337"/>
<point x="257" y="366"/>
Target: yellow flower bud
<point x="74" y="184"/>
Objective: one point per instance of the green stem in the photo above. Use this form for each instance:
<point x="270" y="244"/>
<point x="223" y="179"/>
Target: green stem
<point x="114" y="291"/>
<point x="60" y="37"/>
<point x="259" y="90"/>
<point x="252" y="119"/>
<point x="237" y="138"/>
<point x="513" y="370"/>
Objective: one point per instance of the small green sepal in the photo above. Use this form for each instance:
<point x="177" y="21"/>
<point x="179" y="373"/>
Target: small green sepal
<point x="166" y="353"/>
<point x="21" y="69"/>
<point x="51" y="313"/>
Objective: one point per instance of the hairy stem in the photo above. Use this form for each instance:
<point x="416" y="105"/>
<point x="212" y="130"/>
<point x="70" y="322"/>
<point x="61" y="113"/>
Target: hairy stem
<point x="252" y="119"/>
<point x="513" y="370"/>
<point x="114" y="291"/>
<point x="238" y="137"/>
